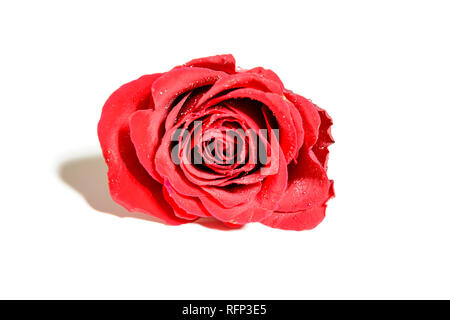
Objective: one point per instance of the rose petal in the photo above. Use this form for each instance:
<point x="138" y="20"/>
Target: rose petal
<point x="225" y="214"/>
<point x="266" y="73"/>
<point x="272" y="190"/>
<point x="231" y="197"/>
<point x="130" y="185"/>
<point x="301" y="220"/>
<point x="172" y="172"/>
<point x="325" y="139"/>
<point x="180" y="80"/>
<point x="308" y="185"/>
<point x="190" y="205"/>
<point x="179" y="211"/>
<point x="242" y="80"/>
<point x="274" y="185"/>
<point x="310" y="117"/>
<point x="223" y="62"/>
<point x="144" y="125"/>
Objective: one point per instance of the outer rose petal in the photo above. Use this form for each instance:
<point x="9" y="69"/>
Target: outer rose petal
<point x="242" y="80"/>
<point x="229" y="199"/>
<point x="180" y="80"/>
<point x="308" y="185"/>
<point x="254" y="215"/>
<point x="146" y="137"/>
<point x="310" y="117"/>
<point x="301" y="220"/>
<point x="266" y="73"/>
<point x="223" y="62"/>
<point x="179" y="211"/>
<point x="129" y="183"/>
<point x="325" y="139"/>
<point x="190" y="205"/>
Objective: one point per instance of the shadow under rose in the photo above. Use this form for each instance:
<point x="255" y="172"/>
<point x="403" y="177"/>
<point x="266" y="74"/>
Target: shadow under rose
<point x="88" y="176"/>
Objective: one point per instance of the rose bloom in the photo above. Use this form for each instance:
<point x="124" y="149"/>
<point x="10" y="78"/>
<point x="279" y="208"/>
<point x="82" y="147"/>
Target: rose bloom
<point x="208" y="140"/>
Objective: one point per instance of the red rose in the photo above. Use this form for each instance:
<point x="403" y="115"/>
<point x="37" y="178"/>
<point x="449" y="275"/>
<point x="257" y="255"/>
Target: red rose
<point x="207" y="140"/>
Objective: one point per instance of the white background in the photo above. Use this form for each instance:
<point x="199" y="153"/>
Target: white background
<point x="381" y="69"/>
